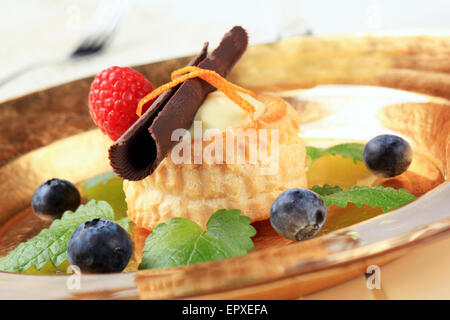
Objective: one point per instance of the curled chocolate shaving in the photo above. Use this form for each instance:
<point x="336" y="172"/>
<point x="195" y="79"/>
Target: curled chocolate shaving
<point x="138" y="152"/>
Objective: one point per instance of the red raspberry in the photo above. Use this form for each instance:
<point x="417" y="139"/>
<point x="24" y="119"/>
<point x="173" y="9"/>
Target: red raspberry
<point x="113" y="99"/>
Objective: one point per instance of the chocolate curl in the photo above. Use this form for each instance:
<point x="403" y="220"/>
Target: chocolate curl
<point x="139" y="151"/>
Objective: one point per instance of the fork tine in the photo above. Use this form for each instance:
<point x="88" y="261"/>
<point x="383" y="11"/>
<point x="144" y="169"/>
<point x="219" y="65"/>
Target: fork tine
<point x="106" y="16"/>
<point x="124" y="6"/>
<point x="95" y="23"/>
<point x="101" y="27"/>
<point x="114" y="19"/>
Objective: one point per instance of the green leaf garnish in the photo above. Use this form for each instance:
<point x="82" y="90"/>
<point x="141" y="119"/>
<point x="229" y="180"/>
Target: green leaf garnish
<point x="50" y="245"/>
<point x="347" y="150"/>
<point x="107" y="187"/>
<point x="181" y="241"/>
<point x="377" y="196"/>
<point x="326" y="189"/>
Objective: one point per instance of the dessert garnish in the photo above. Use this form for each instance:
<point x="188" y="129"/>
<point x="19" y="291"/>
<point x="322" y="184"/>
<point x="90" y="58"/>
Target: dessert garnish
<point x="99" y="246"/>
<point x="180" y="241"/>
<point x="346" y="150"/>
<point x="210" y="76"/>
<point x="55" y="196"/>
<point x="138" y="152"/>
<point x="113" y="97"/>
<point x="387" y="155"/>
<point x="298" y="214"/>
<point x="386" y="198"/>
<point x="50" y="245"/>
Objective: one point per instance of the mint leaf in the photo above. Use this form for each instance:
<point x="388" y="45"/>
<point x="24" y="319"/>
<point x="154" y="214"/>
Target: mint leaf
<point x="347" y="150"/>
<point x="377" y="196"/>
<point x="107" y="187"/>
<point x="181" y="241"/>
<point x="326" y="189"/>
<point x="50" y="245"/>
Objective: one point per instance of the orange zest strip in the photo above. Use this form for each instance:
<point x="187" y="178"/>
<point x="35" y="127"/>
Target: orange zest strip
<point x="210" y="76"/>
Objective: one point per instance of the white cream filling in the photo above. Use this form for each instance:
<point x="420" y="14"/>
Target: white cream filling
<point x="220" y="112"/>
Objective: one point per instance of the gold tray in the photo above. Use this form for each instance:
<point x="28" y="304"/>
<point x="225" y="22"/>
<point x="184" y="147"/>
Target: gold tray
<point x="50" y="134"/>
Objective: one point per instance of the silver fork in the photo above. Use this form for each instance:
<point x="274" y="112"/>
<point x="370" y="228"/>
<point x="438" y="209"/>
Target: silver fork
<point x="99" y="32"/>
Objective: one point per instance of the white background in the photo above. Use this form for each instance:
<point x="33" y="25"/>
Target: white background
<point x="42" y="30"/>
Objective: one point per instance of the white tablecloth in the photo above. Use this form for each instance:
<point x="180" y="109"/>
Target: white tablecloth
<point x="33" y="31"/>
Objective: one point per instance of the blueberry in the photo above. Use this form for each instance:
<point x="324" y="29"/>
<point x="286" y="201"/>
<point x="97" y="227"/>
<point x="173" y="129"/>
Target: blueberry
<point x="55" y="196"/>
<point x="387" y="155"/>
<point x="99" y="246"/>
<point x="298" y="214"/>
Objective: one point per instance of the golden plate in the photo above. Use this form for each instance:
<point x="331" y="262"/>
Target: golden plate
<point x="48" y="134"/>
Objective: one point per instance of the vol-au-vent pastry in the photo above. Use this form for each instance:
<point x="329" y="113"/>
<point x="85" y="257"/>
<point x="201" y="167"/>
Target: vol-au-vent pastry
<point x="248" y="150"/>
<point x="196" y="190"/>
